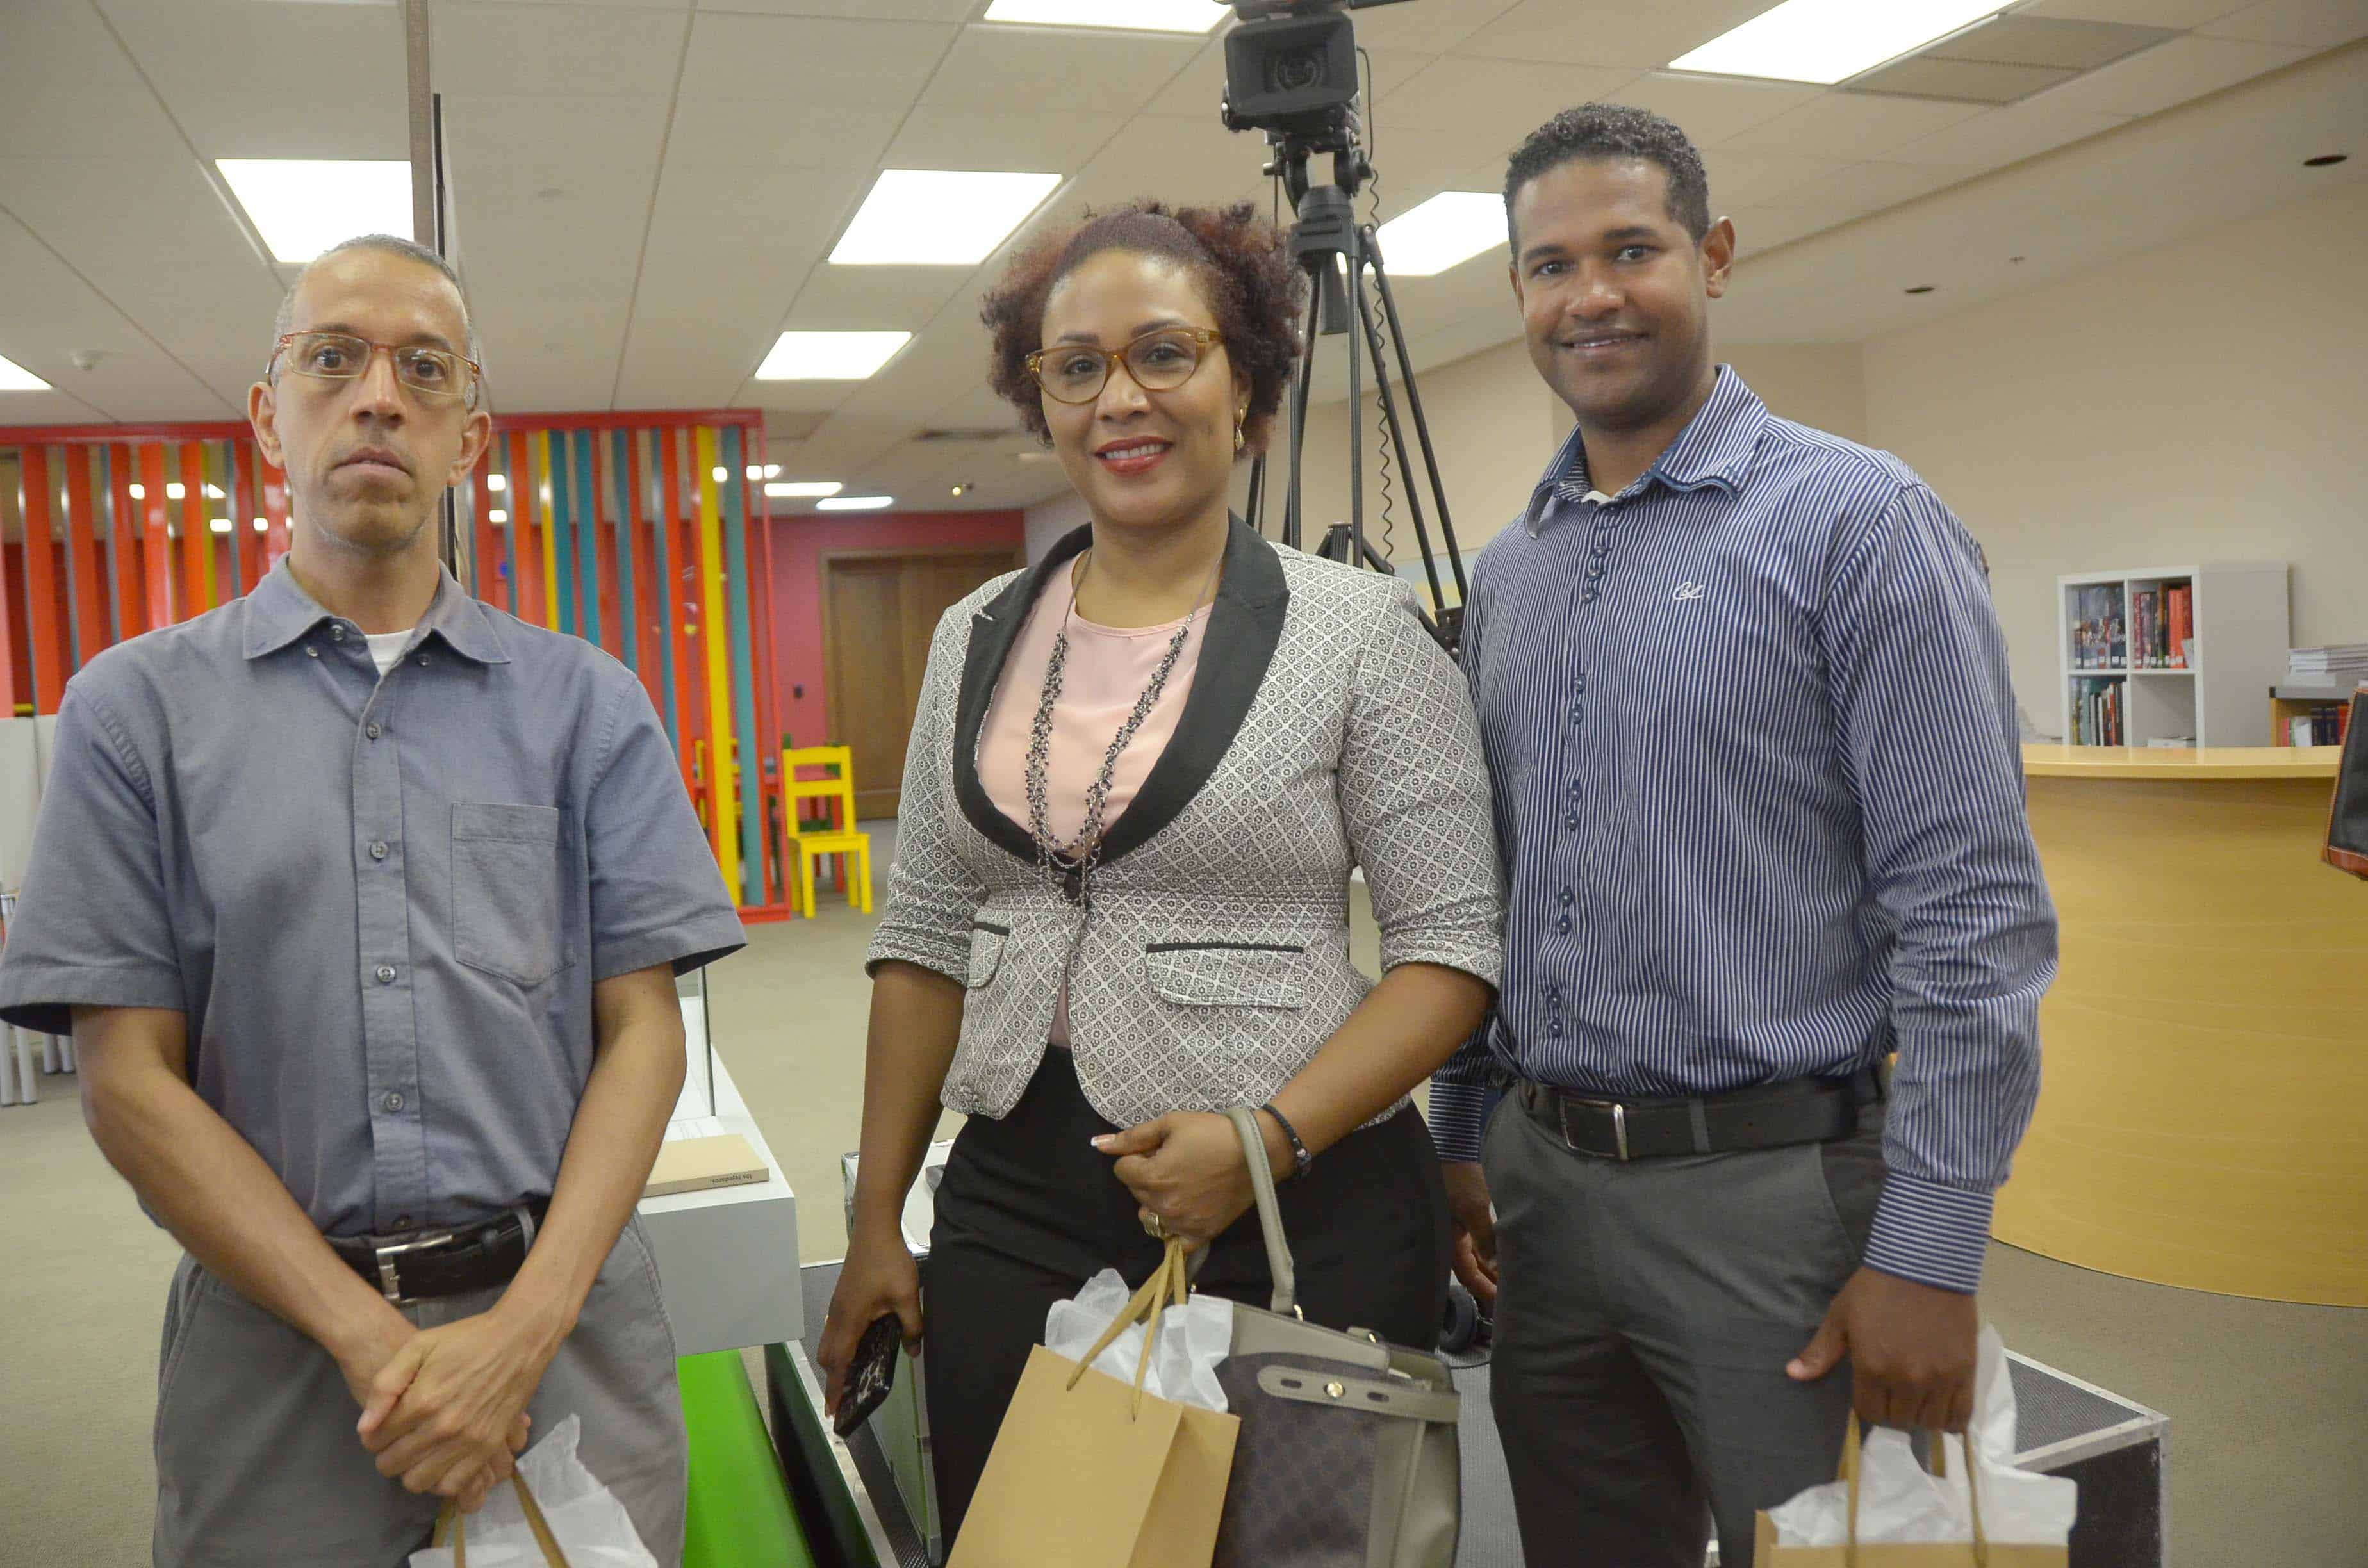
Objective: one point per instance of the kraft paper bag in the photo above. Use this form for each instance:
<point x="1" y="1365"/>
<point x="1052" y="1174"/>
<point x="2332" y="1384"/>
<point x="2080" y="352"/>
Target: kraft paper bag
<point x="1091" y="1471"/>
<point x="1978" y="1551"/>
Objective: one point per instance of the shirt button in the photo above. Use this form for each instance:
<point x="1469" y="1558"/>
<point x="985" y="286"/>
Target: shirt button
<point x="1578" y="791"/>
<point x="402" y="1221"/>
<point x="1567" y="898"/>
<point x="1595" y="573"/>
<point x="1588" y="597"/>
<point x="1563" y="925"/>
<point x="372" y="732"/>
<point x="337" y="633"/>
<point x="1553" y="1028"/>
<point x="310" y="652"/>
<point x="1578" y="714"/>
<point x="1578" y="685"/>
<point x="422" y="658"/>
<point x="1570" y="821"/>
<point x="378" y="850"/>
<point x="386" y="974"/>
<point x="393" y="1102"/>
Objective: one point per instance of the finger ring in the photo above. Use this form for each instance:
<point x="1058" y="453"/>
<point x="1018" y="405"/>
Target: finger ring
<point x="1154" y="1226"/>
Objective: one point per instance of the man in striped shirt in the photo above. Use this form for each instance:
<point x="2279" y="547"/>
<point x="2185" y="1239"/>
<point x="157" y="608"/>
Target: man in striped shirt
<point x="1747" y="718"/>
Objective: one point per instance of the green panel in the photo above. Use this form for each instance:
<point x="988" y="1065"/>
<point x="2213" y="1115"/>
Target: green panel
<point x="739" y="1514"/>
<point x="738" y="567"/>
<point x="565" y="509"/>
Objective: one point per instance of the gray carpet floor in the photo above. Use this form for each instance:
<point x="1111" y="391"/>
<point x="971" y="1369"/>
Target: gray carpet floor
<point x="2268" y="1402"/>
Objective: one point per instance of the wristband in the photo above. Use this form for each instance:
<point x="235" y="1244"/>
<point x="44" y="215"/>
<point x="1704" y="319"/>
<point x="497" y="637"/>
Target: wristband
<point x="1300" y="1158"/>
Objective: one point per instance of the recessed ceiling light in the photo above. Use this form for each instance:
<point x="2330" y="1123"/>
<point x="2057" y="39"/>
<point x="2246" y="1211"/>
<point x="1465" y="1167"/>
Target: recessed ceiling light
<point x="219" y="524"/>
<point x="788" y="489"/>
<point x="176" y="490"/>
<point x="1132" y="16"/>
<point x="302" y="206"/>
<point x="855" y="504"/>
<point x="829" y="356"/>
<point x="140" y="493"/>
<point x="721" y="474"/>
<point x="2326" y="160"/>
<point x="497" y="515"/>
<point x="497" y="481"/>
<point x="766" y="470"/>
<point x="262" y="524"/>
<point x="1451" y="227"/>
<point x="938" y="217"/>
<point x="213" y="492"/>
<point x="1830" y="40"/>
<point x="16" y="378"/>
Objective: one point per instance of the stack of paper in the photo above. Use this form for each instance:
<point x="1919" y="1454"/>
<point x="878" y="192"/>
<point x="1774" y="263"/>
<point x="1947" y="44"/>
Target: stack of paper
<point x="2338" y="664"/>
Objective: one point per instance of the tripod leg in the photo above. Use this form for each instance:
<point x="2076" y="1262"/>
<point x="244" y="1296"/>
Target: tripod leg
<point x="1356" y="281"/>
<point x="1397" y="436"/>
<point x="1422" y="430"/>
<point x="1291" y="518"/>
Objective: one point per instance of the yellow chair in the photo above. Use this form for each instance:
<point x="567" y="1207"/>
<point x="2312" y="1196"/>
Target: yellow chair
<point x="841" y="837"/>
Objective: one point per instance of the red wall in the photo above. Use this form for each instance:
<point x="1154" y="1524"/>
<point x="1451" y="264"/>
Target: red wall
<point x="800" y="542"/>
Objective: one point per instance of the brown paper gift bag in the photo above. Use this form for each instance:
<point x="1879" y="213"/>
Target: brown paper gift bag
<point x="1088" y="1473"/>
<point x="1978" y="1552"/>
<point x="452" y="1528"/>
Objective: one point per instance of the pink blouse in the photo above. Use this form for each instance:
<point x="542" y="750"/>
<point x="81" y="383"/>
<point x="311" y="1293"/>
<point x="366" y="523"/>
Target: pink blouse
<point x="1107" y="670"/>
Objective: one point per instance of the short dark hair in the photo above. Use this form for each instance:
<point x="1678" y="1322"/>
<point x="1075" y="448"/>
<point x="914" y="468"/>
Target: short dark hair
<point x="1616" y="130"/>
<point x="1244" y="262"/>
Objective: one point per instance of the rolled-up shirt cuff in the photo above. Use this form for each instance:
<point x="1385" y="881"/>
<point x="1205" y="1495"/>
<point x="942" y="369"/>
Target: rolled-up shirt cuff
<point x="1455" y="1114"/>
<point x="926" y="950"/>
<point x="1931" y="1233"/>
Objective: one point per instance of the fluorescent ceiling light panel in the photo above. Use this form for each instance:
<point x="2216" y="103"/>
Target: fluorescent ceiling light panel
<point x="830" y="355"/>
<point x="855" y="504"/>
<point x="219" y="524"/>
<point x="497" y="515"/>
<point x="790" y="489"/>
<point x="1451" y="227"/>
<point x="769" y="471"/>
<point x="1131" y="15"/>
<point x="302" y="206"/>
<point x="16" y="378"/>
<point x="496" y="481"/>
<point x="263" y="525"/>
<point x="176" y="490"/>
<point x="1831" y="41"/>
<point x="938" y="217"/>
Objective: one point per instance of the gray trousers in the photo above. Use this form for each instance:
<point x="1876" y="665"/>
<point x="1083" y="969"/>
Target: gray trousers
<point x="257" y="1458"/>
<point x="1644" y="1317"/>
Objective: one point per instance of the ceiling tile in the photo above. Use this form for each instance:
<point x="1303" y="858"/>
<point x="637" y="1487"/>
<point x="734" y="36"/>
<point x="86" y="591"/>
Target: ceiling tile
<point x="1042" y="141"/>
<point x="1640" y="36"/>
<point x="1050" y="69"/>
<point x="765" y="131"/>
<point x="878" y="10"/>
<point x="1846" y="125"/>
<point x="1175" y="160"/>
<point x="47" y="316"/>
<point x="2312" y="24"/>
<point x="332" y="75"/>
<point x="2144" y="12"/>
<point x="2170" y="73"/>
<point x="1428" y="27"/>
<point x="807" y="60"/>
<point x="1710" y="110"/>
<point x="896" y="299"/>
<point x="1757" y="180"/>
<point x="1862" y="188"/>
<point x="65" y="86"/>
<point x="1759" y="229"/>
<point x="531" y="52"/>
<point x="2006" y="135"/>
<point x="1200" y="87"/>
<point x="1494" y="101"/>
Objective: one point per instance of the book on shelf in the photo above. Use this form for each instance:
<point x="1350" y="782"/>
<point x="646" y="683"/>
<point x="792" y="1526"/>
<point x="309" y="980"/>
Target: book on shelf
<point x="2100" y="637"/>
<point x="2320" y="724"/>
<point x="2097" y="714"/>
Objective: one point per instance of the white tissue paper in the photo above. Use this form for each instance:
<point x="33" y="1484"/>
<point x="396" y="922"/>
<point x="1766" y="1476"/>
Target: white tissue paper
<point x="1192" y="1339"/>
<point x="590" y="1524"/>
<point x="1899" y="1503"/>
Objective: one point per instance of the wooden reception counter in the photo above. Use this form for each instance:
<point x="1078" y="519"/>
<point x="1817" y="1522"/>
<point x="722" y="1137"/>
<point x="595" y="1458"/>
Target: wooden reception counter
<point x="2205" y="1072"/>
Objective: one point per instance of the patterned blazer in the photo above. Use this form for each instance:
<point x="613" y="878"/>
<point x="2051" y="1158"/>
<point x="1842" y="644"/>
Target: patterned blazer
<point x="1323" y="727"/>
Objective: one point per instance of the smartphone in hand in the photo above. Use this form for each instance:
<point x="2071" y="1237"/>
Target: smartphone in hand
<point x="869" y="1375"/>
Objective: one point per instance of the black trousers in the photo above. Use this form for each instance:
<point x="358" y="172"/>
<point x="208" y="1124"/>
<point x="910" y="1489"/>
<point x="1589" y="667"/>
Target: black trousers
<point x="1028" y="1211"/>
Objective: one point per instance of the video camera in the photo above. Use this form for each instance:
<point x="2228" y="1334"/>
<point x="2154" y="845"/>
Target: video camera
<point x="1291" y="67"/>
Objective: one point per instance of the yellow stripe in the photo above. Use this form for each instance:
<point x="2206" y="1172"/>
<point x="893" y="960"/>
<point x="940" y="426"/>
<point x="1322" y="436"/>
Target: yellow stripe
<point x="714" y="626"/>
<point x="540" y="444"/>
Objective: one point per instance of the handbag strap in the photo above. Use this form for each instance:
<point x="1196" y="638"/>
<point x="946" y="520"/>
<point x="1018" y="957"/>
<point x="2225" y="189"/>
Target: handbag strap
<point x="1850" y="1472"/>
<point x="1269" y="1212"/>
<point x="453" y="1526"/>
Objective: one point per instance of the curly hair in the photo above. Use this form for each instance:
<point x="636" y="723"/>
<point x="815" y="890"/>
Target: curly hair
<point x="1617" y="131"/>
<point x="1243" y="263"/>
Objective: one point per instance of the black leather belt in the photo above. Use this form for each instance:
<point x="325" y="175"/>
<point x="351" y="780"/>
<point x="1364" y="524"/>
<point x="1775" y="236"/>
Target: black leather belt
<point x="421" y="1267"/>
<point x="1805" y="1110"/>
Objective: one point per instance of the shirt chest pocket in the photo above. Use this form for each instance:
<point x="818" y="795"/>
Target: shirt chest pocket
<point x="508" y="864"/>
<point x="1217" y="975"/>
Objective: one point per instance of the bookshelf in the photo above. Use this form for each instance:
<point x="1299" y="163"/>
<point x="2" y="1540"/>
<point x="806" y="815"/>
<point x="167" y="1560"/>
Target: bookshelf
<point x="2127" y="680"/>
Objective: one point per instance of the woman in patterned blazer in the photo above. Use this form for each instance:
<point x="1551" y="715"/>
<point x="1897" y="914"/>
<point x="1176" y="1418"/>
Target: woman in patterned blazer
<point x="1139" y="776"/>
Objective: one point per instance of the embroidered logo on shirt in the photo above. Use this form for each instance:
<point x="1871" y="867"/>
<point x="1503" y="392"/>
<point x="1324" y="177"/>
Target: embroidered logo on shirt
<point x="1691" y="590"/>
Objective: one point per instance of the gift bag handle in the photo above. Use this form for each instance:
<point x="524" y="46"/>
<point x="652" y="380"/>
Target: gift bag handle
<point x="1850" y="1467"/>
<point x="453" y="1525"/>
<point x="1270" y="1211"/>
<point x="1168" y="1283"/>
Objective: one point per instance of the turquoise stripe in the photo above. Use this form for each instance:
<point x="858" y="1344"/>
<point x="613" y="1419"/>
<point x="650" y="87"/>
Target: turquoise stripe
<point x="588" y="538"/>
<point x="736" y="567"/>
<point x="620" y="478"/>
<point x="562" y="542"/>
<point x="669" y="595"/>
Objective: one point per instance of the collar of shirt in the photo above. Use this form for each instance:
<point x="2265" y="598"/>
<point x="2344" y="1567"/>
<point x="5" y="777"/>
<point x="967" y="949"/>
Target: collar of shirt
<point x="1717" y="447"/>
<point x="279" y="611"/>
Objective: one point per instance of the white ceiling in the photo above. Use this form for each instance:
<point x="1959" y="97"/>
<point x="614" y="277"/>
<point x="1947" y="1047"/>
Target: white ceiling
<point x="645" y="190"/>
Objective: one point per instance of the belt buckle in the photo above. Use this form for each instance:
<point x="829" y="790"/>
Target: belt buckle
<point x="390" y="1286"/>
<point x="1619" y="1128"/>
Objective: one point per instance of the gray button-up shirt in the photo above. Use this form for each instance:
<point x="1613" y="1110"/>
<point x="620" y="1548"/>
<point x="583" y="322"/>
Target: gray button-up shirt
<point x="381" y="902"/>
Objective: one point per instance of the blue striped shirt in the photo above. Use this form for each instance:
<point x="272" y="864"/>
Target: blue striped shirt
<point x="1759" y="800"/>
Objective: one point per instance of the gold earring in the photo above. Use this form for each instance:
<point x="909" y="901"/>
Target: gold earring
<point x="1239" y="420"/>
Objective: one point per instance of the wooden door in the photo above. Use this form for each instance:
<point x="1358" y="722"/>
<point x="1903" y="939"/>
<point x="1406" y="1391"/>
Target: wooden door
<point x="878" y="612"/>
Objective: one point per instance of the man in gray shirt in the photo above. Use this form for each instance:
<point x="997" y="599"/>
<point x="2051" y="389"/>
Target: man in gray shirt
<point x="364" y="901"/>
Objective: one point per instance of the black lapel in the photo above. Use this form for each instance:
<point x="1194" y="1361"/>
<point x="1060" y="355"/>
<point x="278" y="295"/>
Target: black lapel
<point x="1244" y="626"/>
<point x="992" y="632"/>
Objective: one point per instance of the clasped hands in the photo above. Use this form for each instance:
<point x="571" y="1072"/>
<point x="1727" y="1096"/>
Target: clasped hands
<point x="444" y="1409"/>
<point x="1186" y="1170"/>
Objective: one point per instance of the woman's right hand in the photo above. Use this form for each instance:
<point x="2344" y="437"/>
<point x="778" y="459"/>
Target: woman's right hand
<point x="877" y="1278"/>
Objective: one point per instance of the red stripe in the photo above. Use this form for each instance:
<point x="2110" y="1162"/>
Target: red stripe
<point x="41" y="584"/>
<point x="155" y="544"/>
<point x="124" y="548"/>
<point x="195" y="538"/>
<point x="87" y="574"/>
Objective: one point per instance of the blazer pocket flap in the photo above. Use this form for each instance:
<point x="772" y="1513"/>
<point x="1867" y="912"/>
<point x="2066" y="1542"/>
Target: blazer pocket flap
<point x="477" y="820"/>
<point x="1218" y="974"/>
<point x="987" y="945"/>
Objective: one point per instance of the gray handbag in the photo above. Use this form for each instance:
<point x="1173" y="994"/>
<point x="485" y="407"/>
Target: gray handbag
<point x="1348" y="1455"/>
